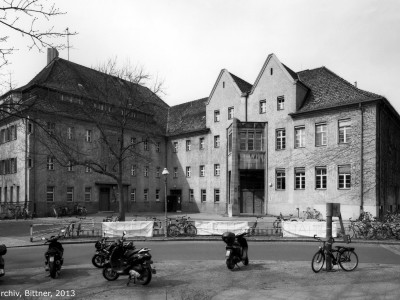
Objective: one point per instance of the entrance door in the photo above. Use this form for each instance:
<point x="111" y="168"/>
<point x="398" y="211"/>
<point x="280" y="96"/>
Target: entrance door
<point x="252" y="192"/>
<point x="104" y="199"/>
<point x="176" y="200"/>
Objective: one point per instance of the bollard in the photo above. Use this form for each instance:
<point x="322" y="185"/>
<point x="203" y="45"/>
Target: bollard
<point x="329" y="213"/>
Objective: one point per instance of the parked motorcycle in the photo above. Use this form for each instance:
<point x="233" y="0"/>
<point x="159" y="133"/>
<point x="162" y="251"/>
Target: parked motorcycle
<point x="125" y="259"/>
<point x="103" y="252"/>
<point x="236" y="249"/>
<point x="3" y="251"/>
<point x="54" y="255"/>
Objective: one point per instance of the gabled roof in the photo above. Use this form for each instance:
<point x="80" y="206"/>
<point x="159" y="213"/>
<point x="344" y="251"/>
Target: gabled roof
<point x="329" y="90"/>
<point x="64" y="76"/>
<point x="243" y="85"/>
<point x="187" y="117"/>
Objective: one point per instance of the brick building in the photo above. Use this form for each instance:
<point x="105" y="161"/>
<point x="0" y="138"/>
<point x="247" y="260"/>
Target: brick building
<point x="291" y="140"/>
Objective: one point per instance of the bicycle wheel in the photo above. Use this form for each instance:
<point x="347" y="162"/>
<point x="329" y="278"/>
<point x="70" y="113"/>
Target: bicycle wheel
<point x="317" y="262"/>
<point x="348" y="260"/>
<point x="173" y="230"/>
<point x="191" y="230"/>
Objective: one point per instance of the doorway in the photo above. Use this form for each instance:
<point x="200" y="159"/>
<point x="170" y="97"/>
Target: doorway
<point x="174" y="201"/>
<point x="104" y="199"/>
<point x="252" y="192"/>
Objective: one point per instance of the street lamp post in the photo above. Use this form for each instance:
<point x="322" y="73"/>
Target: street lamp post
<point x="165" y="173"/>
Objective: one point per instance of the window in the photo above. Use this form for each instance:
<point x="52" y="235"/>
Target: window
<point x="320" y="135"/>
<point x="280" y="139"/>
<point x="230" y="142"/>
<point x="217" y="170"/>
<point x="88" y="194"/>
<point x="344" y="131"/>
<point x="158" y="147"/>
<point x="280" y="102"/>
<point x="70" y="193"/>
<point x="133" y="170"/>
<point x="280" y="179"/>
<point x="158" y="172"/>
<point x="203" y="196"/>
<point x="70" y="167"/>
<point x="50" y="194"/>
<point x="133" y="195"/>
<point x="191" y="195"/>
<point x="70" y="133"/>
<point x="175" y="172"/>
<point x="320" y="177"/>
<point x="300" y="178"/>
<point x="202" y="171"/>
<point x="30" y="162"/>
<point x="145" y="145"/>
<point x="145" y="195"/>
<point x="231" y="112"/>
<point x="11" y="194"/>
<point x="300" y="135"/>
<point x="51" y="127"/>
<point x="175" y="147"/>
<point x="251" y="140"/>
<point x="216" y="195"/>
<point x="188" y="145"/>
<point x="50" y="163"/>
<point x="13" y="132"/>
<point x="263" y="107"/>
<point x="88" y="169"/>
<point x="344" y="175"/>
<point x="271" y="71"/>
<point x="157" y="195"/>
<point x="146" y="171"/>
<point x="201" y="143"/>
<point x="88" y="136"/>
<point x="30" y="128"/>
<point x="216" y="141"/>
<point x="13" y="165"/>
<point x="188" y="171"/>
<point x="5" y="194"/>
<point x="0" y="194"/>
<point x="216" y="116"/>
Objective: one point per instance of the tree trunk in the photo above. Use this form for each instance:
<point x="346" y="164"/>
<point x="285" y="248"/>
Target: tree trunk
<point x="121" y="200"/>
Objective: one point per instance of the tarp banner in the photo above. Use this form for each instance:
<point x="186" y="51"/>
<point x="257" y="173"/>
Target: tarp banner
<point x="219" y="227"/>
<point x="309" y="229"/>
<point x="133" y="229"/>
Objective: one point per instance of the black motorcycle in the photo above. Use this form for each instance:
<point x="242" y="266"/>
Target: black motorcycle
<point x="103" y="252"/>
<point x="54" y="255"/>
<point x="236" y="249"/>
<point x="3" y="251"/>
<point x="125" y="259"/>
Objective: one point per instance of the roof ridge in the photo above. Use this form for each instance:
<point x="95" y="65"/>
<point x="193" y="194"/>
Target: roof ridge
<point x="185" y="103"/>
<point x="239" y="82"/>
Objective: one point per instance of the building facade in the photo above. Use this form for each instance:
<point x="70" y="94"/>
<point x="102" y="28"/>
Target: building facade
<point x="288" y="142"/>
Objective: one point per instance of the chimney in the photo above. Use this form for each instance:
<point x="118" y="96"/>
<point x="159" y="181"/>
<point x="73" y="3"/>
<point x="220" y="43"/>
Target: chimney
<point x="52" y="53"/>
<point x="355" y="84"/>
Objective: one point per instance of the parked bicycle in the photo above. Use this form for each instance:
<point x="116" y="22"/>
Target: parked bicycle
<point x="80" y="210"/>
<point x="182" y="227"/>
<point x="277" y="225"/>
<point x="157" y="225"/>
<point x="74" y="228"/>
<point x="252" y="230"/>
<point x="345" y="257"/>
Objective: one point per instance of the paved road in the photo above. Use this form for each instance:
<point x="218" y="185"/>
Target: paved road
<point x="75" y="254"/>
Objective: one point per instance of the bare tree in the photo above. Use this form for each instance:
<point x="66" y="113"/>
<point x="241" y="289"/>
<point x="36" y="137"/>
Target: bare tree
<point x="25" y="17"/>
<point x="125" y="115"/>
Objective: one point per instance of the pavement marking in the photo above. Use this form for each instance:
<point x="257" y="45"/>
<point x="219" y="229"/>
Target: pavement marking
<point x="392" y="248"/>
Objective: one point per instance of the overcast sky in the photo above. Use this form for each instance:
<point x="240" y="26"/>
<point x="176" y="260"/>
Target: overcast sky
<point x="188" y="42"/>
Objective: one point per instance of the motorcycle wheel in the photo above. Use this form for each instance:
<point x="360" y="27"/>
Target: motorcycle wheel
<point x="98" y="261"/>
<point x="110" y="274"/>
<point x="52" y="269"/>
<point x="230" y="264"/>
<point x="145" y="277"/>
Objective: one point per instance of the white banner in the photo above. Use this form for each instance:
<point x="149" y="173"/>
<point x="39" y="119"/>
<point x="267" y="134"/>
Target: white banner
<point x="219" y="227"/>
<point x="309" y="229"/>
<point x="133" y="229"/>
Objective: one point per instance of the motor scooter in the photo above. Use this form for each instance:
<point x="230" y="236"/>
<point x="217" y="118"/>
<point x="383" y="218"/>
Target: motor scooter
<point x="125" y="259"/>
<point x="236" y="249"/>
<point x="54" y="255"/>
<point x="103" y="252"/>
<point x="3" y="251"/>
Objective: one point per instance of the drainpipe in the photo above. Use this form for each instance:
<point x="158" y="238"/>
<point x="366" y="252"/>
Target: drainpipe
<point x="246" y="95"/>
<point x="362" y="161"/>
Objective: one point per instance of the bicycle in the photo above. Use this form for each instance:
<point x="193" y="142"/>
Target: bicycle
<point x="344" y="256"/>
<point x="252" y="230"/>
<point x="183" y="227"/>
<point x="277" y="225"/>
